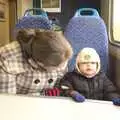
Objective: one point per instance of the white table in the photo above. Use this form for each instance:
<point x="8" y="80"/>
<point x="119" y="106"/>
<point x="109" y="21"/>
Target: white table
<point x="35" y="108"/>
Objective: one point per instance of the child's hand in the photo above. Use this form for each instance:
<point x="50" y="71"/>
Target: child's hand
<point x="52" y="92"/>
<point x="77" y="96"/>
<point x="116" y="101"/>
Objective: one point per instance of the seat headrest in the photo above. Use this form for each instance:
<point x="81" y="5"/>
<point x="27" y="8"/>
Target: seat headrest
<point x="34" y="21"/>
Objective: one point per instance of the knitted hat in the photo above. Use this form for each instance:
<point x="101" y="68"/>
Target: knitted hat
<point x="88" y="55"/>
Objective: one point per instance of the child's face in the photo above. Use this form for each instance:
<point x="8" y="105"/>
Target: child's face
<point x="88" y="69"/>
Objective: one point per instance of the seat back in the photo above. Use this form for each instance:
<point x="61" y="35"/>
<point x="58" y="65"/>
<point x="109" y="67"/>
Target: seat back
<point x="29" y="20"/>
<point x="87" y="29"/>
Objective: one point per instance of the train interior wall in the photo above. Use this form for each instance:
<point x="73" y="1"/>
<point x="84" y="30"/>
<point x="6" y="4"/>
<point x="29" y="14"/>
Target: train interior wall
<point x="4" y="22"/>
<point x="14" y="9"/>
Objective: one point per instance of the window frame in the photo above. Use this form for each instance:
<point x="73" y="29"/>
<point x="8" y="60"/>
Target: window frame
<point x="57" y="10"/>
<point x="110" y="24"/>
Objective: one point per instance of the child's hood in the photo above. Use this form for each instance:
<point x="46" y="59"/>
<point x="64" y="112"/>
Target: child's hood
<point x="88" y="55"/>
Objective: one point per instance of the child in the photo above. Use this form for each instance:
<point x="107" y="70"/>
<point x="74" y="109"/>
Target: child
<point x="87" y="81"/>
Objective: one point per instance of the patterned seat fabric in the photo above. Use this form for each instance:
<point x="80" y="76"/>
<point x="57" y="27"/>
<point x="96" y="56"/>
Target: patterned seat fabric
<point x="34" y="21"/>
<point x="88" y="31"/>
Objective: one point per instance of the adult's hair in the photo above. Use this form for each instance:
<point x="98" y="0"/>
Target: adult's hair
<point x="48" y="47"/>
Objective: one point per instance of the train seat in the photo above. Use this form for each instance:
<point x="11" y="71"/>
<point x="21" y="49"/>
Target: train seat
<point x="34" y="21"/>
<point x="87" y="29"/>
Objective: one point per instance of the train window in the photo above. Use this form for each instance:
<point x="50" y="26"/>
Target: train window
<point x="51" y="5"/>
<point x="116" y="21"/>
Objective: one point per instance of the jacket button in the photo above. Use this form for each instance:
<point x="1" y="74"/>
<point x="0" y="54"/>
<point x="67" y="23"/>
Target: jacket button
<point x="50" y="81"/>
<point x="37" y="81"/>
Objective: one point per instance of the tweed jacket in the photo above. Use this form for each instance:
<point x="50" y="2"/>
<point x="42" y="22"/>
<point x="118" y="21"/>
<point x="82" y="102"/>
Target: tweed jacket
<point x="21" y="76"/>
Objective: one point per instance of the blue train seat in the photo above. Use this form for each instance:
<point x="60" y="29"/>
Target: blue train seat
<point x="87" y="29"/>
<point x="34" y="21"/>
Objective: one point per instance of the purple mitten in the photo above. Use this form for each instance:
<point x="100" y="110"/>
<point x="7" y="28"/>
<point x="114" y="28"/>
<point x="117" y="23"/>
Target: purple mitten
<point x="77" y="96"/>
<point x="116" y="101"/>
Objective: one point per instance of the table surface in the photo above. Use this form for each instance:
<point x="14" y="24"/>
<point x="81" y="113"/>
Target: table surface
<point x="51" y="108"/>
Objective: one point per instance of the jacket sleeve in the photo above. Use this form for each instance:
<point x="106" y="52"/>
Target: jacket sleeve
<point x="110" y="91"/>
<point x="7" y="81"/>
<point x="66" y="84"/>
<point x="67" y="81"/>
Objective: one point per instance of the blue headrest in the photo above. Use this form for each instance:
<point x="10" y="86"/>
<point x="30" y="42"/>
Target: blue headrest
<point x="34" y="21"/>
<point x="86" y="12"/>
<point x="88" y="31"/>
